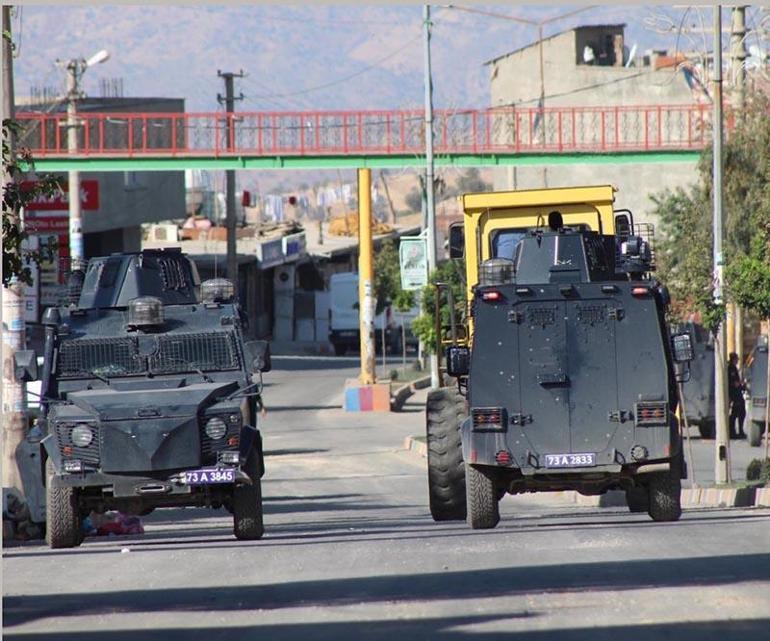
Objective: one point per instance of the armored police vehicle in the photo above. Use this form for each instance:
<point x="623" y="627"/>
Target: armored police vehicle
<point x="757" y="379"/>
<point x="150" y="396"/>
<point x="566" y="378"/>
<point x="698" y="400"/>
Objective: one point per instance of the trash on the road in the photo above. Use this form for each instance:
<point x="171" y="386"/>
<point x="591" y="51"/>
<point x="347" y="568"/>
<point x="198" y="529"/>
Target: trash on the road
<point x="17" y="520"/>
<point x="125" y="550"/>
<point x="112" y="523"/>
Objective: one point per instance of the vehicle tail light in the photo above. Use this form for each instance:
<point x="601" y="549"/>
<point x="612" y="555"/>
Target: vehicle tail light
<point x="503" y="457"/>
<point x="651" y="414"/>
<point x="488" y="418"/>
<point x="492" y="296"/>
<point x="640" y="291"/>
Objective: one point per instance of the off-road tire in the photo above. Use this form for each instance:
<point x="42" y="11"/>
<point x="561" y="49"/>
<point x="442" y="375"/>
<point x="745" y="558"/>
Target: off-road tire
<point x="247" y="503"/>
<point x="483" y="504"/>
<point x="64" y="528"/>
<point x="638" y="499"/>
<point x="755" y="433"/>
<point x="664" y="492"/>
<point x="339" y="349"/>
<point x="706" y="428"/>
<point x="444" y="411"/>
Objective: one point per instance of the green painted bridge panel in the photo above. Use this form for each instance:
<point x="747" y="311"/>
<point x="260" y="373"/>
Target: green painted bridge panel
<point x="158" y="163"/>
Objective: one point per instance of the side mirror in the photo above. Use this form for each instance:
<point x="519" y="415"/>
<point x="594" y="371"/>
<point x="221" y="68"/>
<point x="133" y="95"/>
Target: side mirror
<point x="258" y="356"/>
<point x="682" y="348"/>
<point x="456" y="240"/>
<point x="25" y="366"/>
<point x="458" y="360"/>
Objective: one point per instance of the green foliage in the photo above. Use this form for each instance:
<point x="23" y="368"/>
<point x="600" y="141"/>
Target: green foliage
<point x="424" y="326"/>
<point x="758" y="470"/>
<point x="16" y="259"/>
<point x="387" y="280"/>
<point x="684" y="254"/>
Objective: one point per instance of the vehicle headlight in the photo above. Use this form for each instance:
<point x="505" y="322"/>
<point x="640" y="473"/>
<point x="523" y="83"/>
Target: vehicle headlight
<point x="235" y="419"/>
<point x="215" y="428"/>
<point x="81" y="435"/>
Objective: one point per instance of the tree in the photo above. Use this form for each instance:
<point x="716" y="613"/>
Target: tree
<point x="471" y="181"/>
<point x="17" y="194"/>
<point x="413" y="200"/>
<point x="387" y="280"/>
<point x="683" y="255"/>
<point x="451" y="272"/>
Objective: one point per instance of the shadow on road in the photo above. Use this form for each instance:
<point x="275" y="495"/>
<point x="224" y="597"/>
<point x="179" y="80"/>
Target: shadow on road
<point x="443" y="629"/>
<point x="468" y="584"/>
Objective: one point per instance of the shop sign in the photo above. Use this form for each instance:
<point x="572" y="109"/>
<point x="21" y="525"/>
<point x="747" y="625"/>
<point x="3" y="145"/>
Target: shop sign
<point x="59" y="199"/>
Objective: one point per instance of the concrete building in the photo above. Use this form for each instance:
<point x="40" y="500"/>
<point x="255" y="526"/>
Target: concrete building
<point x="591" y="66"/>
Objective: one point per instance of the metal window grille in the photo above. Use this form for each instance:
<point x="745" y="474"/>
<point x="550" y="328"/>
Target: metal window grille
<point x="205" y="351"/>
<point x="106" y="356"/>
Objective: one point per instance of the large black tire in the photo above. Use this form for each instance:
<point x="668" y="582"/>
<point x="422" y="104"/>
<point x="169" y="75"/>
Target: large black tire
<point x="64" y="528"/>
<point x="247" y="503"/>
<point x="444" y="411"/>
<point x="483" y="504"/>
<point x="755" y="433"/>
<point x="707" y="428"/>
<point x="339" y="349"/>
<point x="638" y="499"/>
<point x="664" y="491"/>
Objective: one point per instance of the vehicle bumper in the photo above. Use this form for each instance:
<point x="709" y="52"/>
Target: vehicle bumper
<point x="137" y="486"/>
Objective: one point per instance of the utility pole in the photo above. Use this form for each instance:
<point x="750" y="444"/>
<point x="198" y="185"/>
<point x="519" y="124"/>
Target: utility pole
<point x="229" y="100"/>
<point x="738" y="72"/>
<point x="366" y="302"/>
<point x="14" y="414"/>
<point x="429" y="186"/>
<point x="77" y="257"/>
<point x="722" y="441"/>
<point x="76" y="67"/>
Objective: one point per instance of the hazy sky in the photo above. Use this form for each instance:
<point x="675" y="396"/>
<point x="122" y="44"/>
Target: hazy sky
<point x="309" y="57"/>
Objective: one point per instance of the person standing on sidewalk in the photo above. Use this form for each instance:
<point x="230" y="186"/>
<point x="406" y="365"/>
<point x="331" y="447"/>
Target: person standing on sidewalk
<point x="737" y="404"/>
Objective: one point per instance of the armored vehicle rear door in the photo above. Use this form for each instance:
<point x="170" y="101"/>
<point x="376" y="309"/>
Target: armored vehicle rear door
<point x="567" y="364"/>
<point x="543" y="370"/>
<point x="591" y="348"/>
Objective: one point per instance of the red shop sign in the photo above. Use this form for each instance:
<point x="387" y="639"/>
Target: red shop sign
<point x="59" y="200"/>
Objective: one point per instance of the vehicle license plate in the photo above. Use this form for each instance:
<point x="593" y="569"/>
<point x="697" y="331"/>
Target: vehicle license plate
<point x="209" y="476"/>
<point x="570" y="460"/>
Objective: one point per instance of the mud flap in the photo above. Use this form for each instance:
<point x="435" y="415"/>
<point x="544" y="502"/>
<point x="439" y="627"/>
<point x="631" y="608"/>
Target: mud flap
<point x="251" y="438"/>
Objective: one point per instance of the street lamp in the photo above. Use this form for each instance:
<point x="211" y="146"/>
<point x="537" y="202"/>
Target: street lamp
<point x="76" y="67"/>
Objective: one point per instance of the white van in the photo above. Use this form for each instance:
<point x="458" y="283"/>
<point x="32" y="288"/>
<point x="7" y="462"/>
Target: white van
<point x="344" y="319"/>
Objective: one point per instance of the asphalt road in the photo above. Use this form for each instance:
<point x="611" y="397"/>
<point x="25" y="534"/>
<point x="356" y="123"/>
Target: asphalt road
<point x="351" y="553"/>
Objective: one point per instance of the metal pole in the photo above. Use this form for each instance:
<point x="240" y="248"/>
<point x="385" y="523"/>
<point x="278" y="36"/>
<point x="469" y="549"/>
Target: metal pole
<point x="366" y="277"/>
<point x="738" y="72"/>
<point x="229" y="100"/>
<point x="14" y="414"/>
<point x="429" y="187"/>
<point x="722" y="441"/>
<point x="77" y="256"/>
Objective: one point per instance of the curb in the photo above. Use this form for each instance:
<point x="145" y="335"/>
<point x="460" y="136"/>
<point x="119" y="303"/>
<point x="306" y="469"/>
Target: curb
<point x="698" y="497"/>
<point x="400" y="396"/>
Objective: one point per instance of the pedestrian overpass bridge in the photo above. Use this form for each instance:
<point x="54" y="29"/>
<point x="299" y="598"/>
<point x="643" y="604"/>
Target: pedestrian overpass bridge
<point x="372" y="138"/>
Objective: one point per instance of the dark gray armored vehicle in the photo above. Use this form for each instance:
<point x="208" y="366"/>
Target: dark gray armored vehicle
<point x="151" y="397"/>
<point x="568" y="384"/>
<point x="698" y="387"/>
<point x="757" y="380"/>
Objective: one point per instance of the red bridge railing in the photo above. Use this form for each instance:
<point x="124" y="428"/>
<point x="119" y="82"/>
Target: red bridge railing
<point x="325" y="133"/>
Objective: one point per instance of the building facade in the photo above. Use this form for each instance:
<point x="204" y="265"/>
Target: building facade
<point x="592" y="66"/>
